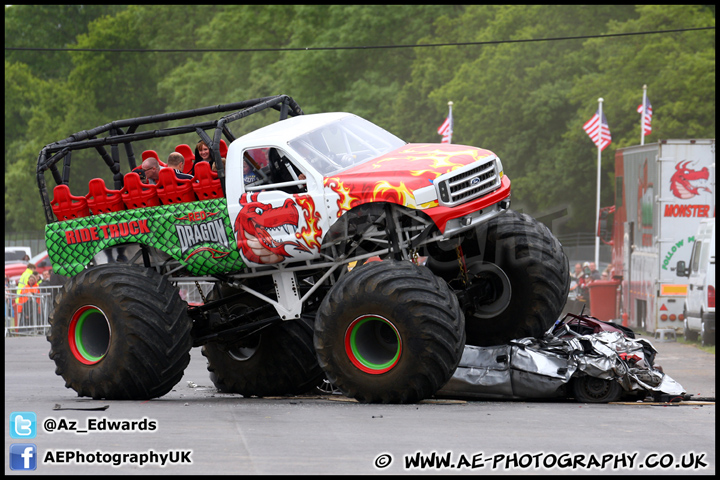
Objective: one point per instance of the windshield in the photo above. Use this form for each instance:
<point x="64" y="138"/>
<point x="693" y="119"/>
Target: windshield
<point x="344" y="143"/>
<point x="14" y="256"/>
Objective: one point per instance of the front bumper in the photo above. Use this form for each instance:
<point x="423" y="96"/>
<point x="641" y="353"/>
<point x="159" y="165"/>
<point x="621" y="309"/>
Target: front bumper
<point x="453" y="220"/>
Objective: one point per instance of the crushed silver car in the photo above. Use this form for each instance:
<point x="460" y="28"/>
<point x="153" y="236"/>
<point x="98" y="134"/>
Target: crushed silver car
<point x="580" y="357"/>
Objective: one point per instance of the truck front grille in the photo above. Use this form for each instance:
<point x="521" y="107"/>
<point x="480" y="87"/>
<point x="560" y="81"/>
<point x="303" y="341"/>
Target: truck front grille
<point x="467" y="183"/>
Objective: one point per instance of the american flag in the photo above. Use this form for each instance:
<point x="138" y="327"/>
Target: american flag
<point x="446" y="129"/>
<point x="599" y="131"/>
<point x="647" y="117"/>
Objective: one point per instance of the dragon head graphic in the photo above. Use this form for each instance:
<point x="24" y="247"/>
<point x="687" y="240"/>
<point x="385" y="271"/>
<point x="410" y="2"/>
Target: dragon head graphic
<point x="257" y="226"/>
<point x="680" y="182"/>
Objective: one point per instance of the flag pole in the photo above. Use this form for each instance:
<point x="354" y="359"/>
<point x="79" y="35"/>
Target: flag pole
<point x="597" y="213"/>
<point x="450" y="104"/>
<point x="642" y="116"/>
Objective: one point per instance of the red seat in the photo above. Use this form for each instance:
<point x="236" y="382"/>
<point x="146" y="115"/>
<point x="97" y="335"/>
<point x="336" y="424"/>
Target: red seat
<point x="136" y="194"/>
<point x="153" y="153"/>
<point x="171" y="189"/>
<point x="101" y="200"/>
<point x="259" y="155"/>
<point x="67" y="206"/>
<point x="189" y="156"/>
<point x="223" y="148"/>
<point x="206" y="183"/>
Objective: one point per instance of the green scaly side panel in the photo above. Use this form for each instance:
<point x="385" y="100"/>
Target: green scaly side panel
<point x="198" y="234"/>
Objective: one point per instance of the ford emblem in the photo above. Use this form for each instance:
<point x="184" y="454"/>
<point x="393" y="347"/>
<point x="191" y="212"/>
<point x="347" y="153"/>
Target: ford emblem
<point x="475" y="181"/>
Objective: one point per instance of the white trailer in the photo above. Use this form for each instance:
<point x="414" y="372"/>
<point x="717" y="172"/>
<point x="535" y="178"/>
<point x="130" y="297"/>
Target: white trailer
<point x="663" y="191"/>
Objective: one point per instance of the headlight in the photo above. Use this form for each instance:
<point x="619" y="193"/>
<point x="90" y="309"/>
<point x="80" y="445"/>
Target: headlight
<point x="499" y="167"/>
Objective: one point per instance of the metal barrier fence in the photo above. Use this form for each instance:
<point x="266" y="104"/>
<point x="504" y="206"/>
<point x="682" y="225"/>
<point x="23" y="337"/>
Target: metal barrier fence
<point x="28" y="314"/>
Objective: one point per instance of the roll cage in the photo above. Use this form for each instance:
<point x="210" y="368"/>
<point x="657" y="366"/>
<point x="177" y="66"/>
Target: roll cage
<point x="124" y="132"/>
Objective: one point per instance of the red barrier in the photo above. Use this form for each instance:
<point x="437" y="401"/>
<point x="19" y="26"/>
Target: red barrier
<point x="603" y="299"/>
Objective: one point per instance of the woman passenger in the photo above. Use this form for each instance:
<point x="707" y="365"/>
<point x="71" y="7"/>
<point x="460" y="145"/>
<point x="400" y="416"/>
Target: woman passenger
<point x="202" y="154"/>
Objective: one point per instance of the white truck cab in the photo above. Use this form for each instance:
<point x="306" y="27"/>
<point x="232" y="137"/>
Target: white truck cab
<point x="16" y="254"/>
<point x="699" y="311"/>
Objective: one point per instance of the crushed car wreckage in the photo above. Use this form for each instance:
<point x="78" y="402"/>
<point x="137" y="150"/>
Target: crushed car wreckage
<point x="581" y="357"/>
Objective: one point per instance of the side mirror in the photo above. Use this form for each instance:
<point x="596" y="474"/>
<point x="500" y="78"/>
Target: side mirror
<point x="680" y="269"/>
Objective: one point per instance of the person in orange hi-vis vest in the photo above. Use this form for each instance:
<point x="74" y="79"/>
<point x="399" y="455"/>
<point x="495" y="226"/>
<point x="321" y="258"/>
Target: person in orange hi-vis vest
<point x="30" y="289"/>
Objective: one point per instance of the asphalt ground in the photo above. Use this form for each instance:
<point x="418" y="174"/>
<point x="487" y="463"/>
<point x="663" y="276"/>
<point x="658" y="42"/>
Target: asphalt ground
<point x="330" y="434"/>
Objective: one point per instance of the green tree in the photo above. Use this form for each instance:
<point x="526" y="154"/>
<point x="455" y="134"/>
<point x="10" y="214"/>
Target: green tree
<point x="527" y="101"/>
<point x="110" y="86"/>
<point x="224" y="77"/>
<point x="48" y="26"/>
<point x="362" y="81"/>
<point x="21" y="92"/>
<point x="366" y="81"/>
<point x="418" y="108"/>
<point x="679" y="70"/>
<point x="512" y="98"/>
<point x="39" y="26"/>
<point x="23" y="209"/>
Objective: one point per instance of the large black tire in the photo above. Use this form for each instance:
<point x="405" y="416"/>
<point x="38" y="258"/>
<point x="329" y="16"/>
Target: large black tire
<point x="535" y="285"/>
<point x="389" y="332"/>
<point x="121" y="333"/>
<point x="587" y="389"/>
<point x="280" y="360"/>
<point x="707" y="336"/>
<point x="690" y="335"/>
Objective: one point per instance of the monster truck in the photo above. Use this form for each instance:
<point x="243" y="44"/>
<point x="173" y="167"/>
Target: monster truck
<point x="283" y="231"/>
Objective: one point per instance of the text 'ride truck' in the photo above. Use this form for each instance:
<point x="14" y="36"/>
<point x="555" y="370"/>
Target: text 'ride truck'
<point x="275" y="230"/>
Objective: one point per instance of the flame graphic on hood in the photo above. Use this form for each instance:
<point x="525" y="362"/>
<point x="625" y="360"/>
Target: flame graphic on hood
<point x="345" y="201"/>
<point x="395" y="176"/>
<point x="437" y="160"/>
<point x="382" y="191"/>
<point x="311" y="233"/>
<point x="399" y="194"/>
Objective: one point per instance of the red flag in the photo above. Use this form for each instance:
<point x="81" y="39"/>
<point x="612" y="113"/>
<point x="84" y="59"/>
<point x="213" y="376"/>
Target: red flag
<point x="647" y="116"/>
<point x="599" y="131"/>
<point x="446" y="129"/>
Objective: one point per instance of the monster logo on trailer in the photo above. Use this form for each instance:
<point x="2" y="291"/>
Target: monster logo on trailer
<point x="682" y="183"/>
